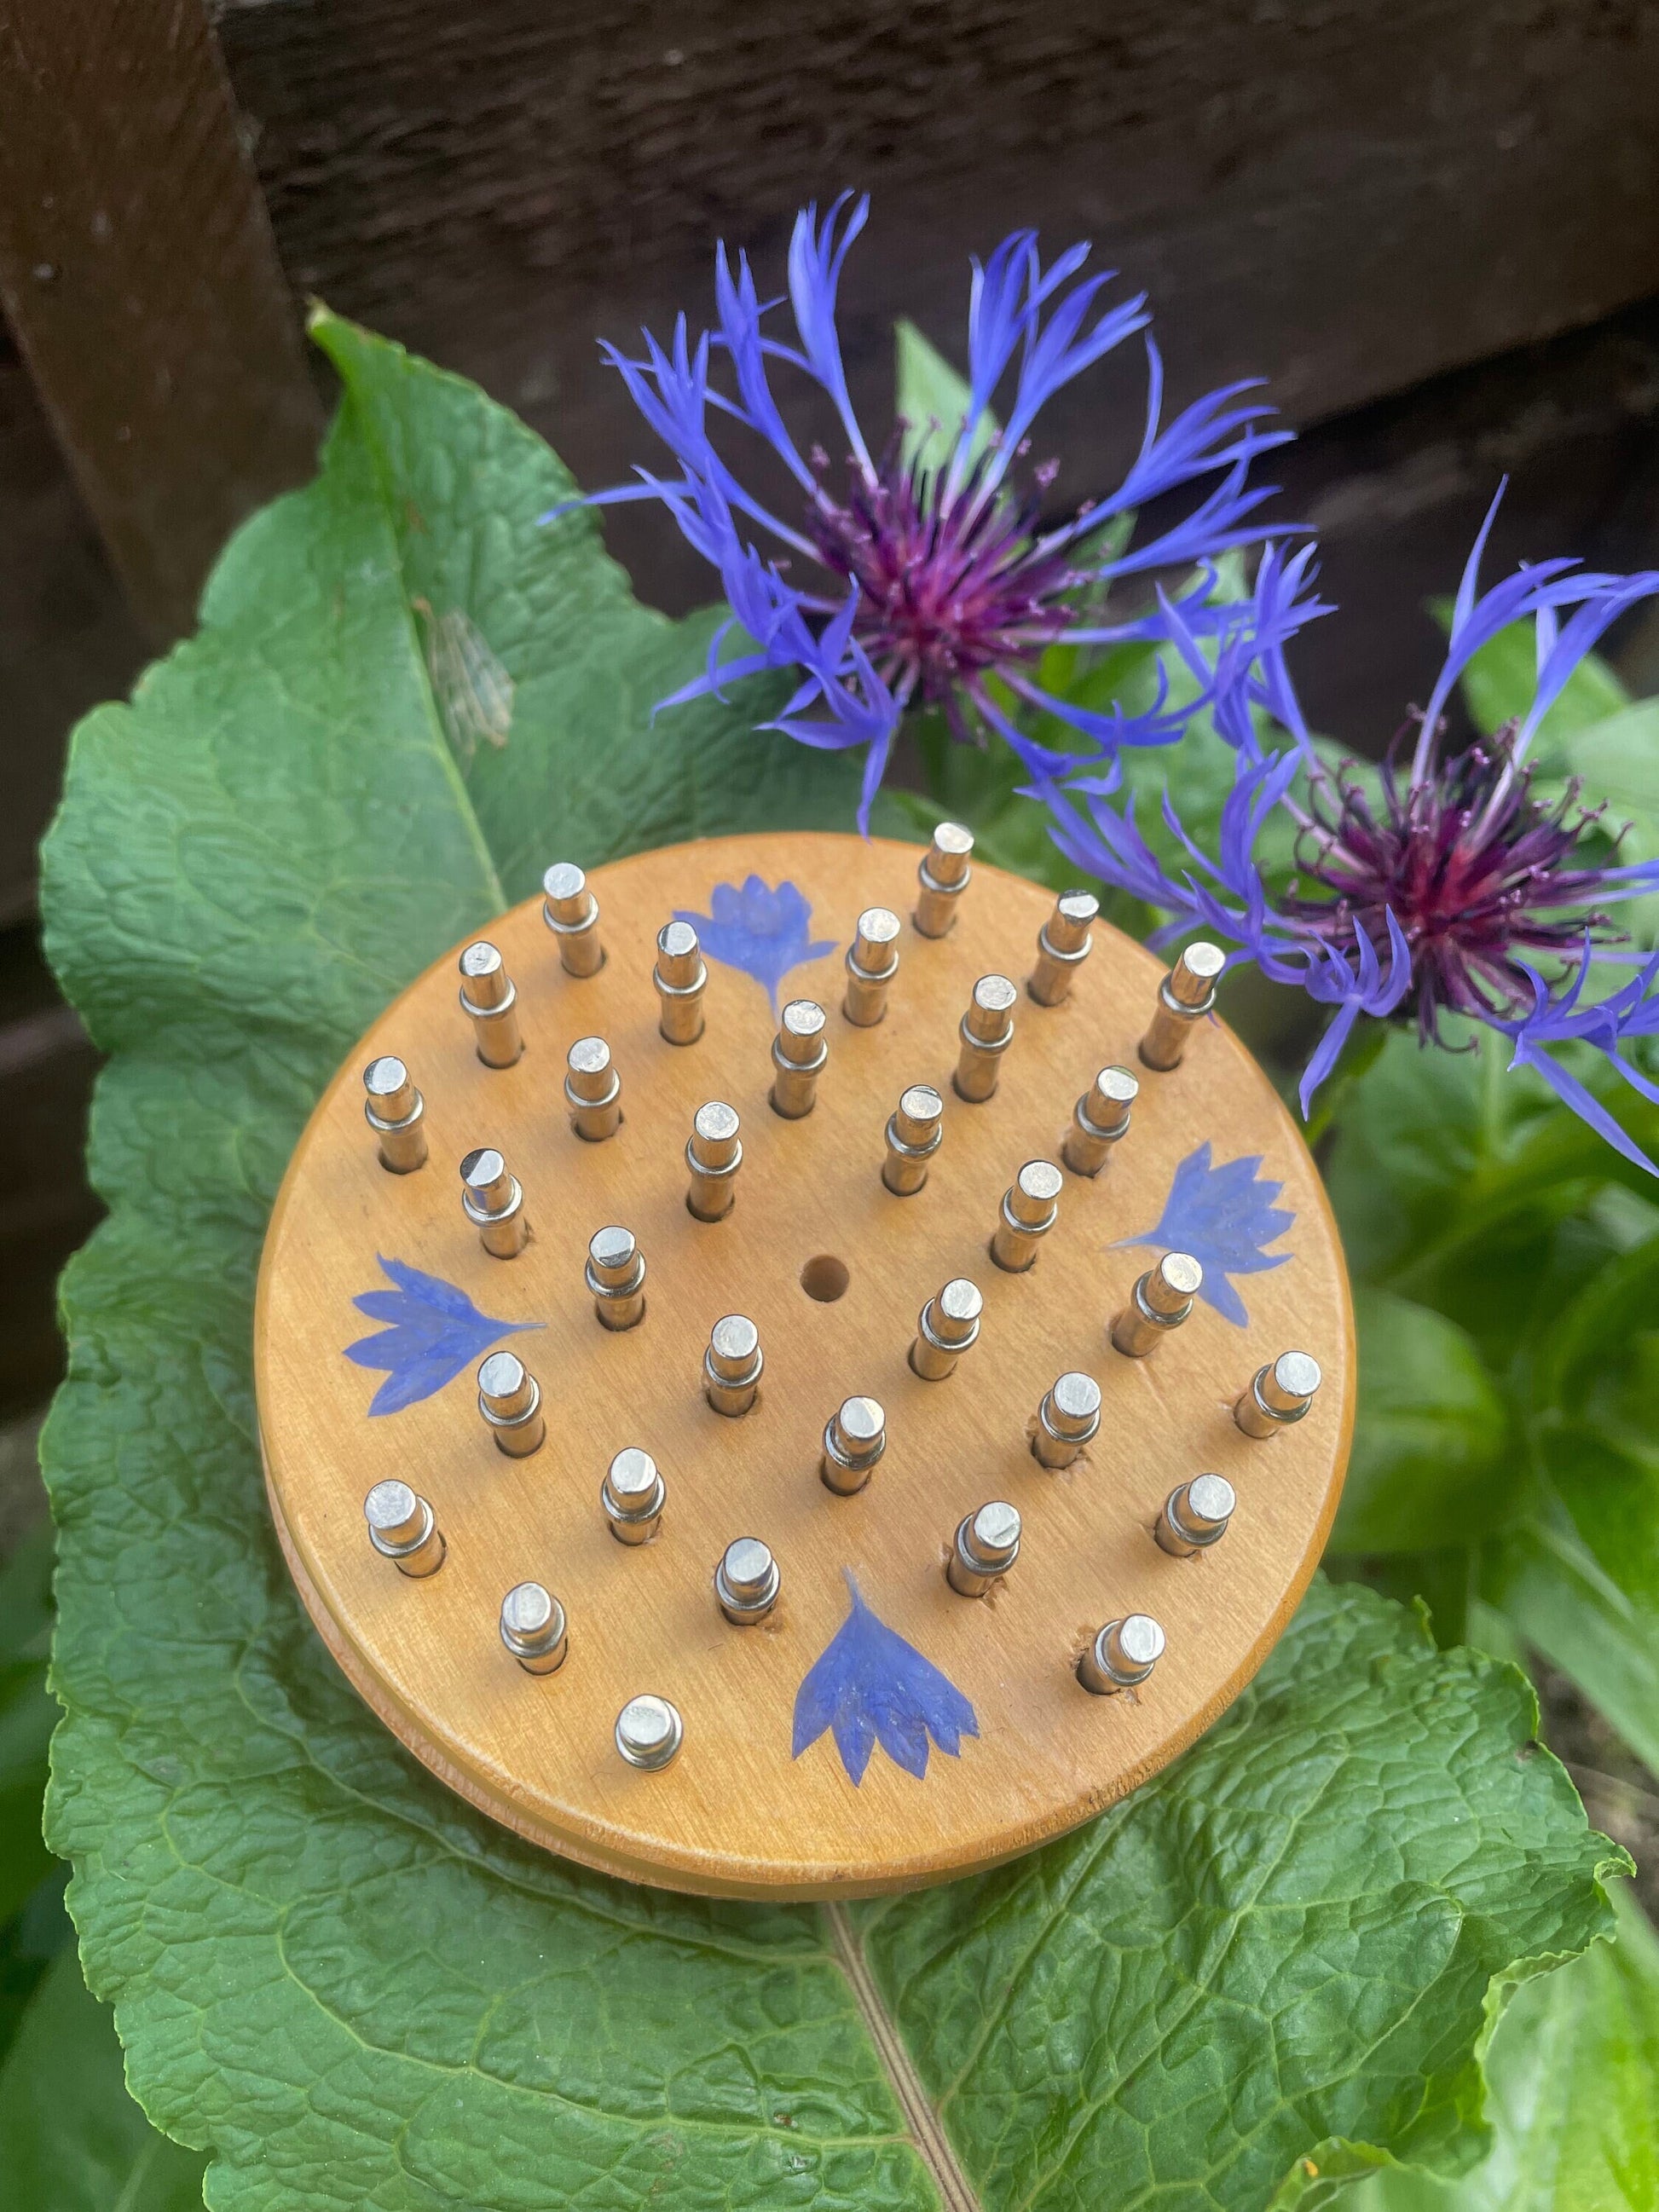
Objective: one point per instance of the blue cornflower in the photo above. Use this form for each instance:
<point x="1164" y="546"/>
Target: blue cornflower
<point x="1438" y="886"/>
<point x="917" y="582"/>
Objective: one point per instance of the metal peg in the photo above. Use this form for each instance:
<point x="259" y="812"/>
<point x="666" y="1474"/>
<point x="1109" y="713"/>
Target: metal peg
<point x="396" y="1111"/>
<point x="1124" y="1653"/>
<point x="649" y="1731"/>
<point x="871" y="964"/>
<point x="1099" y="1120"/>
<point x="1185" y="996"/>
<point x="987" y="1030"/>
<point x="986" y="1544"/>
<point x="798" y="1052"/>
<point x="732" y="1365"/>
<point x="614" y="1275"/>
<point x="510" y="1400"/>
<point x="487" y="995"/>
<point x="1159" y="1302"/>
<point x="914" y="1135"/>
<point x="533" y="1628"/>
<point x="1195" y="1515"/>
<point x="854" y="1438"/>
<point x="1067" y="1419"/>
<point x="680" y="977"/>
<point x="714" y="1156"/>
<point x="1280" y="1394"/>
<point x="494" y="1203"/>
<point x="633" y="1495"/>
<point x="402" y="1529"/>
<point x="1030" y="1207"/>
<point x="592" y="1090"/>
<point x="572" y="913"/>
<point x="1063" y="945"/>
<point x="947" y="1327"/>
<point x="746" y="1582"/>
<point x="943" y="875"/>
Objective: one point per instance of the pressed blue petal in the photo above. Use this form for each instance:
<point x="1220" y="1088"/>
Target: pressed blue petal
<point x="762" y="932"/>
<point x="867" y="1686"/>
<point x="434" y="1331"/>
<point x="1224" y="1216"/>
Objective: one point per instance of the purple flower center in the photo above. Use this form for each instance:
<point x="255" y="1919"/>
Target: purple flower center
<point x="1475" y="870"/>
<point x="952" y="579"/>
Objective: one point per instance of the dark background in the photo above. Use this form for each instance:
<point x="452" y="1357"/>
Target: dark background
<point x="1433" y="227"/>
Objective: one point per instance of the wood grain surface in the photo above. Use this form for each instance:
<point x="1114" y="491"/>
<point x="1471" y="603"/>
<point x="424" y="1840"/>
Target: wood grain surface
<point x="735" y="1812"/>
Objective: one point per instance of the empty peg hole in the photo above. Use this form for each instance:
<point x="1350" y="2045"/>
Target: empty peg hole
<point x="825" y="1278"/>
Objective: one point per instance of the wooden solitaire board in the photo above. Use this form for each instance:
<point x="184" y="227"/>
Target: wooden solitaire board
<point x="739" y="1811"/>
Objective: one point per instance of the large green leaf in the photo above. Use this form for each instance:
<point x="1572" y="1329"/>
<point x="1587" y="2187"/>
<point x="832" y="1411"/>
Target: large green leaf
<point x="1574" y="2065"/>
<point x="71" y="2138"/>
<point x="330" y="1970"/>
<point x="1498" y="684"/>
<point x="1273" y="1956"/>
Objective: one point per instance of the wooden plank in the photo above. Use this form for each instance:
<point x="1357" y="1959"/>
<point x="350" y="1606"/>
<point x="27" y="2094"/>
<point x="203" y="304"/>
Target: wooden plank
<point x="1343" y="197"/>
<point x="138" y="271"/>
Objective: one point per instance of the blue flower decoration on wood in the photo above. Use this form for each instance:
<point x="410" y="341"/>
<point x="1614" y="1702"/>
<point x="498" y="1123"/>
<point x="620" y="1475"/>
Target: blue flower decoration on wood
<point x="1224" y="1216"/>
<point x="869" y="1684"/>
<point x="766" y="933"/>
<point x="434" y="1330"/>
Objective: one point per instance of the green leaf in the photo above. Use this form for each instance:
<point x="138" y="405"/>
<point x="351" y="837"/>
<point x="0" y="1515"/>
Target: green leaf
<point x="1430" y="1466"/>
<point x="1573" y="2107"/>
<point x="933" y="402"/>
<point x="581" y="760"/>
<point x="75" y="2141"/>
<point x="351" y="1987"/>
<point x="1271" y="1957"/>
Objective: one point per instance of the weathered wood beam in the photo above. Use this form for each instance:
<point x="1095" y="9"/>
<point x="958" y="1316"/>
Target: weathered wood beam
<point x="139" y="273"/>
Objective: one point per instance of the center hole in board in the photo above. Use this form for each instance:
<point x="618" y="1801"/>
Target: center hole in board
<point x="825" y="1278"/>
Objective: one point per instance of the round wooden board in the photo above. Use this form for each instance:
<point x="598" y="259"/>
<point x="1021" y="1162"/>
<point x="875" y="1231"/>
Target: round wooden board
<point x="738" y="1812"/>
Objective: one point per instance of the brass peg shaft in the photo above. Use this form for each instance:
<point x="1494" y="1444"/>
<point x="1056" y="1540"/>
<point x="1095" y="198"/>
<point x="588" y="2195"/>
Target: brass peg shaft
<point x="680" y="977"/>
<point x="1063" y="945"/>
<point x="633" y="1495"/>
<point x="854" y="1438"/>
<point x="488" y="996"/>
<point x="396" y="1112"/>
<point x="1186" y="995"/>
<point x="1159" y="1302"/>
<point x="713" y="1155"/>
<point x="943" y="875"/>
<point x="746" y="1582"/>
<point x="494" y="1203"/>
<point x="732" y="1365"/>
<point x="592" y="1090"/>
<point x="510" y="1401"/>
<point x="572" y="913"/>
<point x="986" y="1544"/>
<point x="1124" y="1653"/>
<point x="1281" y="1392"/>
<point x="1100" y="1120"/>
<point x="799" y="1051"/>
<point x="987" y="1030"/>
<point x="1067" y="1419"/>
<point x="914" y="1135"/>
<point x="614" y="1275"/>
<point x="533" y="1628"/>
<point x="947" y="1326"/>
<point x="1195" y="1515"/>
<point x="871" y="964"/>
<point x="402" y="1529"/>
<point x="1030" y="1207"/>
